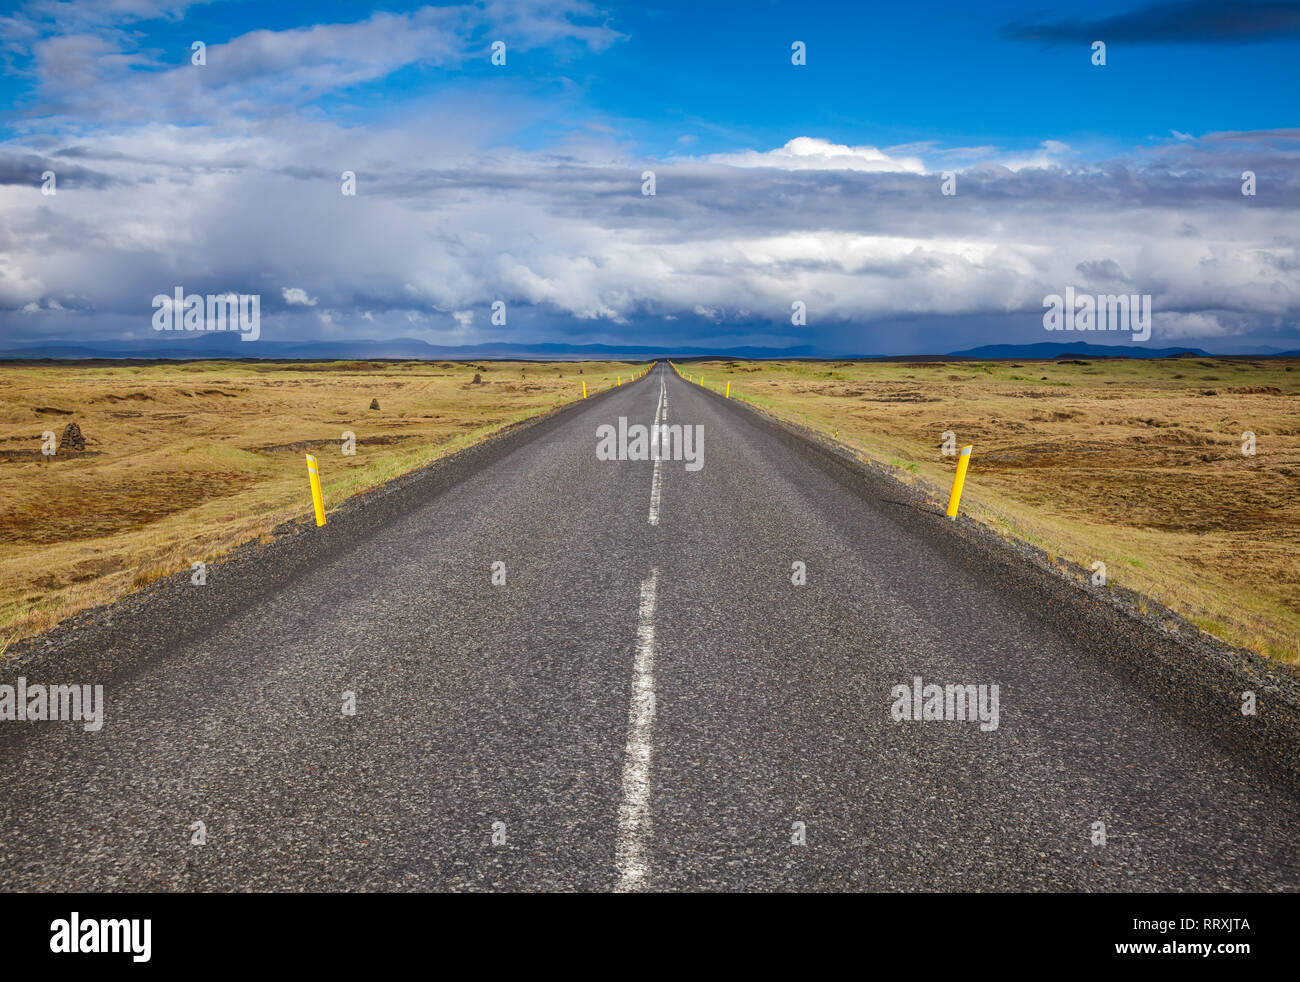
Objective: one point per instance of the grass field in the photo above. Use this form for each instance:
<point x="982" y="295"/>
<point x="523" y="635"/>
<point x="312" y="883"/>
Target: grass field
<point x="183" y="462"/>
<point x="1137" y="464"/>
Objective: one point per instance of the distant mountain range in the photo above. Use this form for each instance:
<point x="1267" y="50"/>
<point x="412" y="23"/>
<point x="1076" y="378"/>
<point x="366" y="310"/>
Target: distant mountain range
<point x="228" y="345"/>
<point x="1055" y="349"/>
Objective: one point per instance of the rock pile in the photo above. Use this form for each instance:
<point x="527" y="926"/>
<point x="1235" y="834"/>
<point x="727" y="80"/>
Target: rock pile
<point x="72" y="438"/>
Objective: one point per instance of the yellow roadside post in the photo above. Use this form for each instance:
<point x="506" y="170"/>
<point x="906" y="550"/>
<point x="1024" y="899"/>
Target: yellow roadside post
<point x="313" y="475"/>
<point x="962" y="463"/>
<point x="584" y="390"/>
<point x="620" y="380"/>
<point x="728" y="390"/>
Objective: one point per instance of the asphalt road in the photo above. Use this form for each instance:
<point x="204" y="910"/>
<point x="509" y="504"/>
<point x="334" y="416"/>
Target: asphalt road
<point x="648" y="702"/>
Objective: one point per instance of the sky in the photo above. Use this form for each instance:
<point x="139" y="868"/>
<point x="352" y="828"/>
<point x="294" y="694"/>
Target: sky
<point x="793" y="204"/>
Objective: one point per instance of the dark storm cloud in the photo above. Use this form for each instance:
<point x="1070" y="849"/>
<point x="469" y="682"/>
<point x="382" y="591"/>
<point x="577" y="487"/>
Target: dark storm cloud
<point x="26" y="169"/>
<point x="1194" y="22"/>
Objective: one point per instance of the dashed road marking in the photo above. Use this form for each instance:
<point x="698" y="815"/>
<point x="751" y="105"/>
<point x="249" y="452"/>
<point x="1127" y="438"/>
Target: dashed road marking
<point x="634" y="811"/>
<point x="656" y="482"/>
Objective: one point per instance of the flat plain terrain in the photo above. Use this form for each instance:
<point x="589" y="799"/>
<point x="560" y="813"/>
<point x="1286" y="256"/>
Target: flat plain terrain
<point x="185" y="461"/>
<point x="1134" y="463"/>
<point x="1137" y="464"/>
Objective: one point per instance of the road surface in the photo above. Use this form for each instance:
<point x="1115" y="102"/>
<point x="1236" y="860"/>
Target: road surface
<point x="648" y="703"/>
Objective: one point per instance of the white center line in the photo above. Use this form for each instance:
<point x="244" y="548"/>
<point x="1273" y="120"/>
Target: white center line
<point x="656" y="482"/>
<point x="634" y="812"/>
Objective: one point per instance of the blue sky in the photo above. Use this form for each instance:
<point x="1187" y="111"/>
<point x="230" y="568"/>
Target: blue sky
<point x="776" y="183"/>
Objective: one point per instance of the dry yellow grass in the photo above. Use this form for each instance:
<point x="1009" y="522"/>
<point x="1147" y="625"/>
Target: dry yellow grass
<point x="184" y="462"/>
<point x="1138" y="464"/>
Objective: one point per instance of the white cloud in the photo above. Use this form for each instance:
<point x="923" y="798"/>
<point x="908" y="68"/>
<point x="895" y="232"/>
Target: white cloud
<point x="807" y="153"/>
<point x="445" y="221"/>
<point x="728" y="244"/>
<point x="1189" y="325"/>
<point x="296" y="296"/>
<point x="813" y="153"/>
<point x="93" y="70"/>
